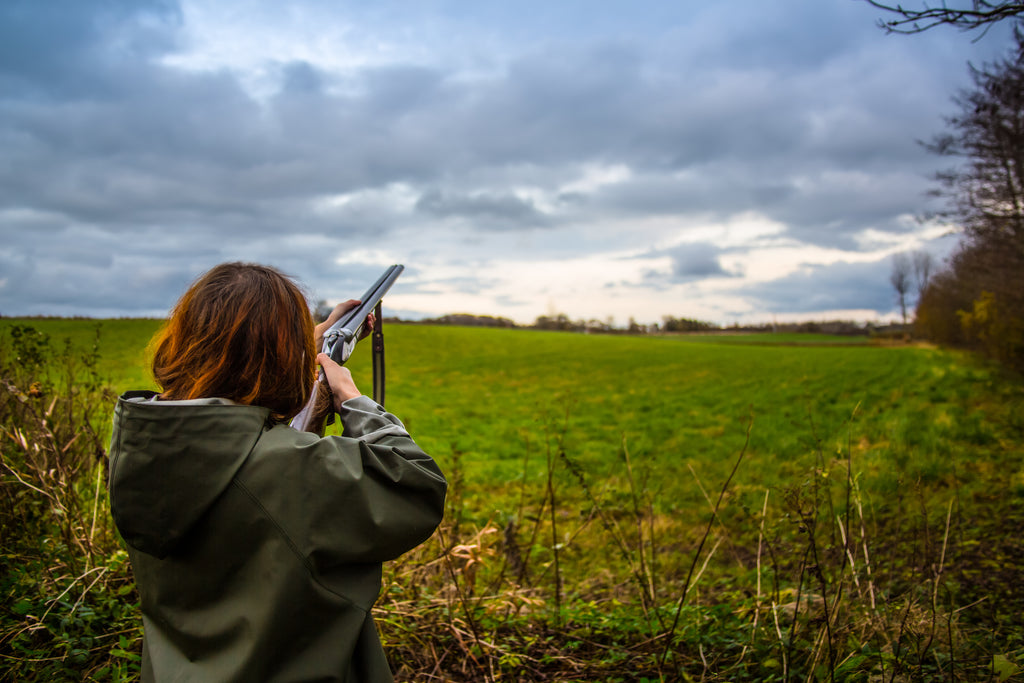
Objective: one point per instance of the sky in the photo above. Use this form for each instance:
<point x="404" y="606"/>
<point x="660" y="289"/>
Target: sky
<point x="733" y="162"/>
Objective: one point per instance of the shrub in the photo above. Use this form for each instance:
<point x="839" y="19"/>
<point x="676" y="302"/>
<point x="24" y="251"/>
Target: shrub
<point x="69" y="602"/>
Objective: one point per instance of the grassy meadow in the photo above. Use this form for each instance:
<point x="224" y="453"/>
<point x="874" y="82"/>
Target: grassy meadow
<point x="749" y="507"/>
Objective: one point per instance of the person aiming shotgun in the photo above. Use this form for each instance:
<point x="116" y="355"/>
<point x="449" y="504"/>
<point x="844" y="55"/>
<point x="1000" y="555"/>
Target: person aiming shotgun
<point x="257" y="547"/>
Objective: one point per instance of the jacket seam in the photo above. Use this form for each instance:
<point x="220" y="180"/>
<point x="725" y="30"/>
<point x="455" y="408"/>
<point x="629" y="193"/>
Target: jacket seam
<point x="291" y="544"/>
<point x="115" y="454"/>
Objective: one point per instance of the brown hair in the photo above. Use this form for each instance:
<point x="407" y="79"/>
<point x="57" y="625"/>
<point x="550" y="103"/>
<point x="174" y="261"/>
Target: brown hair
<point x="242" y="331"/>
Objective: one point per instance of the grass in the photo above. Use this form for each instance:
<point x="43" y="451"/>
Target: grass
<point x="681" y="403"/>
<point x="591" y="534"/>
<point x="121" y="344"/>
<point x="780" y="338"/>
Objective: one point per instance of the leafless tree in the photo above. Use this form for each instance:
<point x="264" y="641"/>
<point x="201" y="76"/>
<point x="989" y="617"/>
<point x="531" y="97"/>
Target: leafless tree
<point x="923" y="263"/>
<point x="986" y="191"/>
<point x="966" y="17"/>
<point x="900" y="279"/>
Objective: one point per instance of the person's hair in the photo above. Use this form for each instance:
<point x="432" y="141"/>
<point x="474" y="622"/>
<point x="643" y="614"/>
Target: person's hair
<point x="243" y="332"/>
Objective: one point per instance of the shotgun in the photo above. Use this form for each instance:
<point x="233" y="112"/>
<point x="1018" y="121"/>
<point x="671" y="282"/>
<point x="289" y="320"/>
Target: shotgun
<point x="340" y="341"/>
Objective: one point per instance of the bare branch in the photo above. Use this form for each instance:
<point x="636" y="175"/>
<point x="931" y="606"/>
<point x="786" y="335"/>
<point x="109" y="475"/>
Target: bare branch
<point x="981" y="14"/>
<point x="900" y="280"/>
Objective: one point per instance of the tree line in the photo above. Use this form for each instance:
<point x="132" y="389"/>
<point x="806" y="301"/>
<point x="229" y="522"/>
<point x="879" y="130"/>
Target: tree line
<point x="977" y="299"/>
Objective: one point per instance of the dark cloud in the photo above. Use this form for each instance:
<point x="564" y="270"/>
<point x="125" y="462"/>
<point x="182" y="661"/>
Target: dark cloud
<point x="485" y="210"/>
<point x="688" y="263"/>
<point x="62" y="282"/>
<point x="696" y="262"/>
<point x="299" y="79"/>
<point x="398" y="91"/>
<point x="119" y="167"/>
<point x="71" y="48"/>
<point x="172" y="146"/>
<point x="837" y="286"/>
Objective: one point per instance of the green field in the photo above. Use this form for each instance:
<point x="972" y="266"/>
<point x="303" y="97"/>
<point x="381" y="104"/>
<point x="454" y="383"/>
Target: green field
<point x="597" y="463"/>
<point x="677" y="401"/>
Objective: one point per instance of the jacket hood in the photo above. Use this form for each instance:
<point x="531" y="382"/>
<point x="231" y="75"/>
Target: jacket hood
<point x="170" y="460"/>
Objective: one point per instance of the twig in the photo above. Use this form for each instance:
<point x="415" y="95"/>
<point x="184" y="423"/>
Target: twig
<point x="95" y="511"/>
<point x="782" y="642"/>
<point x="700" y="547"/>
<point x="54" y="601"/>
<point x="760" y="545"/>
<point x="25" y="483"/>
<point x="554" y="538"/>
<point x="645" y="571"/>
<point x="460" y="593"/>
<point x="867" y="558"/>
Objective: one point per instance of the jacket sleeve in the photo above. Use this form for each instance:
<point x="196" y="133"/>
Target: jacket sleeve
<point x="365" y="497"/>
<point x="366" y="420"/>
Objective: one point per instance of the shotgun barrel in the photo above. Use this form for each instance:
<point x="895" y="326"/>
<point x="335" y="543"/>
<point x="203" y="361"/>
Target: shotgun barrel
<point x="340" y="341"/>
<point x="341" y="338"/>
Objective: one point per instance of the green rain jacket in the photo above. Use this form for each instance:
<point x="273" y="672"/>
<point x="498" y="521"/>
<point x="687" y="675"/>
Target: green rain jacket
<point x="257" y="549"/>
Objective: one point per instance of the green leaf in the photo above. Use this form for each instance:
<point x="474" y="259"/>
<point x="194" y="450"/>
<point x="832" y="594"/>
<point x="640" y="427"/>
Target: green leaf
<point x="22" y="607"/>
<point x="1003" y="667"/>
<point x="130" y="656"/>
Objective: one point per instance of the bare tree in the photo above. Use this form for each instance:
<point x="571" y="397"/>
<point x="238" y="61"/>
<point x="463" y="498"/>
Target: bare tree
<point x="986" y="191"/>
<point x="978" y="14"/>
<point x="900" y="279"/>
<point x="923" y="263"/>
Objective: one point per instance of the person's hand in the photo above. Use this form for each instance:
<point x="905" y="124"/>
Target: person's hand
<point x="341" y="309"/>
<point x="339" y="379"/>
<point x="320" y="330"/>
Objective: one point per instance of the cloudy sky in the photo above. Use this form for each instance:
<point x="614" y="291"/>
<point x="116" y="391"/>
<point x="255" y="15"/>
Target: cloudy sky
<point x="736" y="161"/>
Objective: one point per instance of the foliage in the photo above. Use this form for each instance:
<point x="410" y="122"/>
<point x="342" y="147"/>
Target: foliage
<point x="621" y="508"/>
<point x="671" y="324"/>
<point x="469" y="320"/>
<point x="69" y="606"/>
<point x="999" y="332"/>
